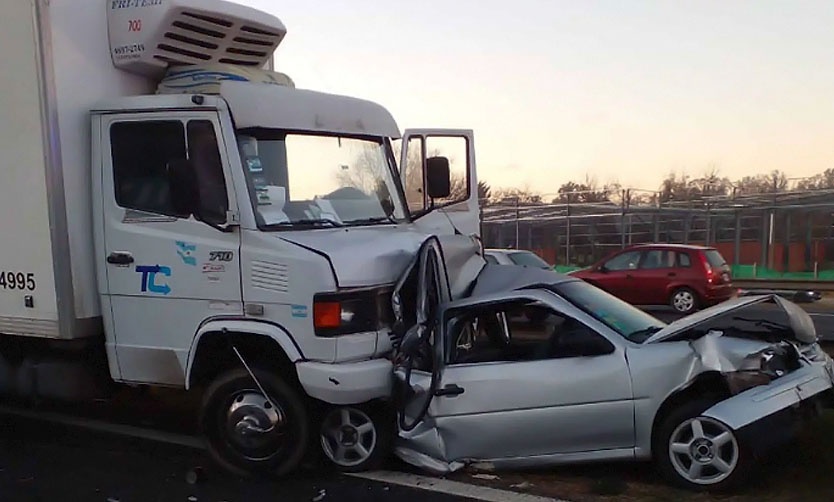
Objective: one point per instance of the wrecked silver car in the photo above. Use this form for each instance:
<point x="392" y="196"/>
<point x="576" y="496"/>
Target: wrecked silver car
<point x="529" y="367"/>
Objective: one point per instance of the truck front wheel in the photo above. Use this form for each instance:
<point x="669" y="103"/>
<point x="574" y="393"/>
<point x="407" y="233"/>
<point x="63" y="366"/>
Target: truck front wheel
<point x="250" y="434"/>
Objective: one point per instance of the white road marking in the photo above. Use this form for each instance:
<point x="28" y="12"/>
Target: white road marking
<point x="448" y="487"/>
<point x="99" y="426"/>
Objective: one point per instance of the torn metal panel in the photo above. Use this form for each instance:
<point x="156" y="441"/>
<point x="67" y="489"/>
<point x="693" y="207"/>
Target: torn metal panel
<point x="800" y="322"/>
<point x="760" y="402"/>
<point x="716" y="352"/>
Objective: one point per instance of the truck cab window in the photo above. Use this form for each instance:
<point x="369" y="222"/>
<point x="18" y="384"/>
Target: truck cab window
<point x="140" y="153"/>
<point x="204" y="153"/>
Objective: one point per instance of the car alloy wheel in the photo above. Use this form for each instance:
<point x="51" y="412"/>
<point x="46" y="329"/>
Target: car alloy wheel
<point x="703" y="451"/>
<point x="348" y="436"/>
<point x="683" y="301"/>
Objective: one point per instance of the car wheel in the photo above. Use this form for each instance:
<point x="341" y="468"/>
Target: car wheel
<point x="249" y="434"/>
<point x="356" y="438"/>
<point x="684" y="301"/>
<point x="700" y="453"/>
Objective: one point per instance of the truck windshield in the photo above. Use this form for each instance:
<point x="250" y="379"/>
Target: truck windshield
<point x="301" y="180"/>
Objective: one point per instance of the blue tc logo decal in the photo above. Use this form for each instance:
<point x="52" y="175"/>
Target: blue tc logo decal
<point x="186" y="253"/>
<point x="149" y="279"/>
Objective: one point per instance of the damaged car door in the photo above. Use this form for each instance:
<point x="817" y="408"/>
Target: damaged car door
<point x="525" y="377"/>
<point x="516" y="378"/>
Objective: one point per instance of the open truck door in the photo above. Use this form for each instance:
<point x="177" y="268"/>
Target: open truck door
<point x="439" y="176"/>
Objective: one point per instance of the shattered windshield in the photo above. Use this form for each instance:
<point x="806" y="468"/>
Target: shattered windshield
<point x="627" y="320"/>
<point x="303" y="180"/>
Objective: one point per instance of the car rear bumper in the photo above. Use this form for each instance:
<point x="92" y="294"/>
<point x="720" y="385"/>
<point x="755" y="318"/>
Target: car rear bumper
<point x="718" y="294"/>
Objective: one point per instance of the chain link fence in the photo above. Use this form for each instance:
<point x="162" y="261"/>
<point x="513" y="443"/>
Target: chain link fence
<point x="786" y="235"/>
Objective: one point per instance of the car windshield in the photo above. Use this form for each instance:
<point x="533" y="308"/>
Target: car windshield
<point x="528" y="260"/>
<point x="302" y="180"/>
<point x="627" y="320"/>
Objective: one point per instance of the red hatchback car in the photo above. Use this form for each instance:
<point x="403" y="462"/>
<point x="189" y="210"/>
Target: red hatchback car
<point x="685" y="277"/>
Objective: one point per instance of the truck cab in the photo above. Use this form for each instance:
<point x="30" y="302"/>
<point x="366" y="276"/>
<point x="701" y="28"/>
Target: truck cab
<point x="246" y="235"/>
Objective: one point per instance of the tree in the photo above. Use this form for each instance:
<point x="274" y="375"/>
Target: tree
<point x="822" y="181"/>
<point x="711" y="184"/>
<point x="774" y="182"/>
<point x="589" y="191"/>
<point x="523" y="195"/>
<point x="674" y="188"/>
<point x="484" y="191"/>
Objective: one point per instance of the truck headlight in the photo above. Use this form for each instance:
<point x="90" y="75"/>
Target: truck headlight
<point x="352" y="311"/>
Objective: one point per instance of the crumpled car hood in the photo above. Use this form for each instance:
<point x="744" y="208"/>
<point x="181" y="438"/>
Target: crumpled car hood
<point x="365" y="256"/>
<point x="800" y="322"/>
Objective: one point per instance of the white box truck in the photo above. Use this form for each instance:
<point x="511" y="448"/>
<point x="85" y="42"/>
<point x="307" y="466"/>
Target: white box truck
<point x="174" y="214"/>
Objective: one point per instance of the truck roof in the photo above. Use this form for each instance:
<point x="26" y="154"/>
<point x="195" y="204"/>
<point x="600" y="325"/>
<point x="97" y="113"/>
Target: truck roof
<point x="277" y="107"/>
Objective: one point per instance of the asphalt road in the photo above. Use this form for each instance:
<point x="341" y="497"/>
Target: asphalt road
<point x="47" y="462"/>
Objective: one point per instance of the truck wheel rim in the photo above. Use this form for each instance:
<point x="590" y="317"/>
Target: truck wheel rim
<point x="348" y="437"/>
<point x="684" y="301"/>
<point x="254" y="425"/>
<point x="703" y="451"/>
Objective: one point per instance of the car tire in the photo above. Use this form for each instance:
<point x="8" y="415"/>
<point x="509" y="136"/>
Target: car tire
<point x="249" y="435"/>
<point x="356" y="438"/>
<point x="684" y="301"/>
<point x="718" y="460"/>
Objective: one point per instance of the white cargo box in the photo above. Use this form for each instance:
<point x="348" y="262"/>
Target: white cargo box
<point x="61" y="57"/>
<point x="56" y="65"/>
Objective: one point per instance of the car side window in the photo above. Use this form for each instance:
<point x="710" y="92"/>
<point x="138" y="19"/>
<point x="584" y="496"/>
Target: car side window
<point x="684" y="261"/>
<point x="624" y="261"/>
<point x="491" y="259"/>
<point x="141" y="152"/>
<point x="656" y="259"/>
<point x="519" y="332"/>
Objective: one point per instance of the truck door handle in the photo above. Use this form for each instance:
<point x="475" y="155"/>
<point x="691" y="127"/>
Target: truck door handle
<point x="672" y="274"/>
<point x="120" y="258"/>
<point x="449" y="390"/>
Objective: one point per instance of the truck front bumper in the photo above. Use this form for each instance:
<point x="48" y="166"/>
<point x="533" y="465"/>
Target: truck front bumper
<point x="347" y="383"/>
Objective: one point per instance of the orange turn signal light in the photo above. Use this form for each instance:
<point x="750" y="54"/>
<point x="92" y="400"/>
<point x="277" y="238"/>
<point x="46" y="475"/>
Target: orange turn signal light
<point x="327" y="315"/>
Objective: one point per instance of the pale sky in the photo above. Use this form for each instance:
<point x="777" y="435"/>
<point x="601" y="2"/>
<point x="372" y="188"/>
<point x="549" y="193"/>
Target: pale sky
<point x="620" y="90"/>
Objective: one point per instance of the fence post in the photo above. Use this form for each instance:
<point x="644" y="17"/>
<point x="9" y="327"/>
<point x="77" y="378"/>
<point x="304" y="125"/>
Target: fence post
<point x="567" y="236"/>
<point x="516" y="224"/>
<point x="737" y="243"/>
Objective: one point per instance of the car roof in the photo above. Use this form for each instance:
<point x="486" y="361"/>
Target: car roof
<point x="501" y="278"/>
<point x="691" y="247"/>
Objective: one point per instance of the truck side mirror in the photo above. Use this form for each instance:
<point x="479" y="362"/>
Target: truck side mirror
<point x="184" y="188"/>
<point x="438" y="178"/>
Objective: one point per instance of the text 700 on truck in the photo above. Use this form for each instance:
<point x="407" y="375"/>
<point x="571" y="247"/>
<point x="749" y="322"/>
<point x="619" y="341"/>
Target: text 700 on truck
<point x="177" y="214"/>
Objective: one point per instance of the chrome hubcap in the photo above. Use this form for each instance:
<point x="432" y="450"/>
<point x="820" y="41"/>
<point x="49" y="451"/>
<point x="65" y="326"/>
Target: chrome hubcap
<point x="703" y="451"/>
<point x="254" y="425"/>
<point x="348" y="436"/>
<point x="684" y="301"/>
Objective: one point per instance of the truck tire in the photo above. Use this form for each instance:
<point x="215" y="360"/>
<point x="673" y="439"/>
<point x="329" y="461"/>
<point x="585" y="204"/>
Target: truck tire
<point x="699" y="453"/>
<point x="248" y="434"/>
<point x="356" y="438"/>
